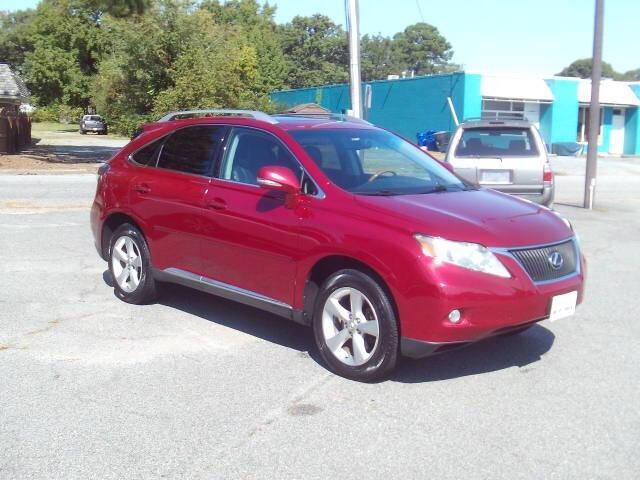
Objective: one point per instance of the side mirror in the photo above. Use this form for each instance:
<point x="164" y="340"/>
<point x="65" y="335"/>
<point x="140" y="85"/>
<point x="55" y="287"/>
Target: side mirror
<point x="281" y="179"/>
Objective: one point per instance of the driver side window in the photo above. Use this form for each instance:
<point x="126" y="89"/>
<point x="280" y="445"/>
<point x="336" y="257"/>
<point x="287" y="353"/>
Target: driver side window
<point x="249" y="150"/>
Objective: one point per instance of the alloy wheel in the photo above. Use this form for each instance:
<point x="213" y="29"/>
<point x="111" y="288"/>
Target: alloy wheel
<point x="350" y="326"/>
<point x="127" y="263"/>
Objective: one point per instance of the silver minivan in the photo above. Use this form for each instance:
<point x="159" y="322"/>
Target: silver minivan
<point x="505" y="155"/>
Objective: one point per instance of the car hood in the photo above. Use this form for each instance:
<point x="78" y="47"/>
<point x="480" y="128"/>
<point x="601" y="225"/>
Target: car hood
<point x="480" y="216"/>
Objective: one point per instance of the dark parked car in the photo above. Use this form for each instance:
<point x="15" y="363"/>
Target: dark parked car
<point x="93" y="123"/>
<point x="335" y="224"/>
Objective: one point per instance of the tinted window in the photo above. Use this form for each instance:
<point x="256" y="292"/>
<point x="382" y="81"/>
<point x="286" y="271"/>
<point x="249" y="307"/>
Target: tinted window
<point x="147" y="155"/>
<point x="496" y="141"/>
<point x="375" y="162"/>
<point x="191" y="149"/>
<point x="249" y="150"/>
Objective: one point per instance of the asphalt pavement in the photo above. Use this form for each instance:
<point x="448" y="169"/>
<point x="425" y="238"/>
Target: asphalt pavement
<point x="199" y="387"/>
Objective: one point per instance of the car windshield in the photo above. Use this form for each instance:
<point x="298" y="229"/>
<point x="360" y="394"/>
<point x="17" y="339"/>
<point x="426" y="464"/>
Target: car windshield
<point x="496" y="142"/>
<point x="375" y="162"/>
<point x="93" y="118"/>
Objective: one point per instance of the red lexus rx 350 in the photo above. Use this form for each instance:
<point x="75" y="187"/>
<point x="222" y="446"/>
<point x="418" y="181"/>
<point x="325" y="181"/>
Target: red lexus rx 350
<point x="335" y="224"/>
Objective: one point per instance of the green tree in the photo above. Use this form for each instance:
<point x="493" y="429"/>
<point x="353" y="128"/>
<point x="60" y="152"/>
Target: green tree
<point x="16" y="37"/>
<point x="631" y="75"/>
<point x="421" y="48"/>
<point x="120" y="8"/>
<point x="218" y="68"/>
<point x="256" y="23"/>
<point x="316" y="51"/>
<point x="138" y="55"/>
<point x="377" y="58"/>
<point x="65" y="41"/>
<point x="582" y="69"/>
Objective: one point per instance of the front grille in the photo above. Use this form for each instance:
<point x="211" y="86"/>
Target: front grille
<point x="537" y="261"/>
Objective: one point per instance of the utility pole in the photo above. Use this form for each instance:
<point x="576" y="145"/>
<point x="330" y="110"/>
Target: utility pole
<point x="353" y="24"/>
<point x="594" y="109"/>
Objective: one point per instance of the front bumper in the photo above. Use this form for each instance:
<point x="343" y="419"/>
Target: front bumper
<point x="489" y="305"/>
<point x="412" y="348"/>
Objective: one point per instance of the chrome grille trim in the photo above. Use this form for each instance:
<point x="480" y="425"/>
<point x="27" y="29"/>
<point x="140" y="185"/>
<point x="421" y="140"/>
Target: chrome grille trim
<point x="533" y="260"/>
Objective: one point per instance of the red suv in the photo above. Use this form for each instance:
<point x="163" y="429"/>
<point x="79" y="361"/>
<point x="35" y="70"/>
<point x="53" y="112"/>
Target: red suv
<point x="336" y="224"/>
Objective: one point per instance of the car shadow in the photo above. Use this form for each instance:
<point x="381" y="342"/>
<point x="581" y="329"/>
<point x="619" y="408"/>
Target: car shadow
<point x="69" y="154"/>
<point x="249" y="320"/>
<point x="490" y="355"/>
<point x="483" y="357"/>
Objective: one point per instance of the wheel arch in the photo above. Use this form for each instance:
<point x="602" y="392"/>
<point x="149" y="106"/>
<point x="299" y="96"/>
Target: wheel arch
<point x="328" y="265"/>
<point x="110" y="224"/>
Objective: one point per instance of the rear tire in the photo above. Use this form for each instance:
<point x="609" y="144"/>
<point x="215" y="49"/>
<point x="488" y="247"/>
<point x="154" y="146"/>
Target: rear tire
<point x="355" y="327"/>
<point x="130" y="266"/>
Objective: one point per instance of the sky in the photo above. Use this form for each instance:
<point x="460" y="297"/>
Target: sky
<point x="521" y="37"/>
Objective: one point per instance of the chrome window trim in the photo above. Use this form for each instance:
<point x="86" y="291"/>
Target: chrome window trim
<point x="507" y="252"/>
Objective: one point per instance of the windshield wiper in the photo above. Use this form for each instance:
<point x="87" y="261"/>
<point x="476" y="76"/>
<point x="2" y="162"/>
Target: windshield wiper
<point x="379" y="193"/>
<point x="436" y="189"/>
<point x="444" y="188"/>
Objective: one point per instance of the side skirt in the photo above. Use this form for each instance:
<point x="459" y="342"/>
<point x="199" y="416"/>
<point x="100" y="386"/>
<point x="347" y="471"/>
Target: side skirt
<point x="230" y="292"/>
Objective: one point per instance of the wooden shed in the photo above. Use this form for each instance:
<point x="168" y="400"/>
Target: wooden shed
<point x="15" y="126"/>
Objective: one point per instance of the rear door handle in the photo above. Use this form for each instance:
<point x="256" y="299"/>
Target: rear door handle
<point x="142" y="188"/>
<point x="217" y="204"/>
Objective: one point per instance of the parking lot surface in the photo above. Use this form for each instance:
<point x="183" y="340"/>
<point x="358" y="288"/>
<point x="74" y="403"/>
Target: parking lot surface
<point x="199" y="387"/>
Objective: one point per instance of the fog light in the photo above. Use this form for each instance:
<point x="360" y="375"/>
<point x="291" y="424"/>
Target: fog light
<point x="454" y="316"/>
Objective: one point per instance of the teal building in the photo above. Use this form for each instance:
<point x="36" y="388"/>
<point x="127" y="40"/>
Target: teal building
<point x="559" y="106"/>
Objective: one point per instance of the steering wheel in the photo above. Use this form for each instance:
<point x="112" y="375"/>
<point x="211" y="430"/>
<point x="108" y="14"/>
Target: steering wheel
<point x="382" y="172"/>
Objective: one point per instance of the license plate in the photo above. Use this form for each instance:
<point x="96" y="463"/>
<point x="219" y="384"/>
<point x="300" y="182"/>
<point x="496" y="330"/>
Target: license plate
<point x="563" y="306"/>
<point x="495" y="176"/>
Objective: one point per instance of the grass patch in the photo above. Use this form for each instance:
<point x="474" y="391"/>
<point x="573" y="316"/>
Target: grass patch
<point x="53" y="127"/>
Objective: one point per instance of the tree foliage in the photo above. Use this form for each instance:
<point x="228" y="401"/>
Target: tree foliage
<point x="582" y="69"/>
<point x="420" y="48"/>
<point x="316" y="51"/>
<point x="135" y="59"/>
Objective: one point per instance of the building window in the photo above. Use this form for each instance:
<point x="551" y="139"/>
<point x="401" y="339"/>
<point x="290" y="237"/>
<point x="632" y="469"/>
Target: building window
<point x="502" y="110"/>
<point x="583" y="124"/>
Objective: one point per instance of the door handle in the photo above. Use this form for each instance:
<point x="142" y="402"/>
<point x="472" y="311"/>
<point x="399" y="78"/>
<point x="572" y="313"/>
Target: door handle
<point x="217" y="204"/>
<point x="142" y="188"/>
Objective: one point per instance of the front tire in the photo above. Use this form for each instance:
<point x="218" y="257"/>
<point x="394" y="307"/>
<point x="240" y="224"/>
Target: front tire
<point x="130" y="266"/>
<point x="355" y="326"/>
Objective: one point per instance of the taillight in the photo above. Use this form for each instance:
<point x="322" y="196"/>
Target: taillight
<point x="547" y="174"/>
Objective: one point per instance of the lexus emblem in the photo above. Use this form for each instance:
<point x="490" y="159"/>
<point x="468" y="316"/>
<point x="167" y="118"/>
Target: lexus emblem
<point x="555" y="260"/>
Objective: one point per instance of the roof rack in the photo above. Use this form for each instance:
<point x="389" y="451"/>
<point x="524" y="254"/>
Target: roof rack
<point x="218" y="112"/>
<point x="341" y="117"/>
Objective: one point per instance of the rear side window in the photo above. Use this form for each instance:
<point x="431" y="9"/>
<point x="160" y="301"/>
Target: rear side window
<point x="191" y="149"/>
<point x="498" y="142"/>
<point x="147" y="155"/>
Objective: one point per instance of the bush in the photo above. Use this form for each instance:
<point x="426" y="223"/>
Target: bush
<point x="45" y="114"/>
<point x="68" y="114"/>
<point x="57" y="113"/>
<point x="127" y="124"/>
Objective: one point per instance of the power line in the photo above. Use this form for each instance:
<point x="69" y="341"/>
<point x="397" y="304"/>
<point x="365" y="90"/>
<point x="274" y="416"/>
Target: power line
<point x="420" y="10"/>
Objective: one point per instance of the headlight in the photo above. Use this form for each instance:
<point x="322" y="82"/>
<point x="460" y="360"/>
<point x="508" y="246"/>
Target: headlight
<point x="466" y="255"/>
